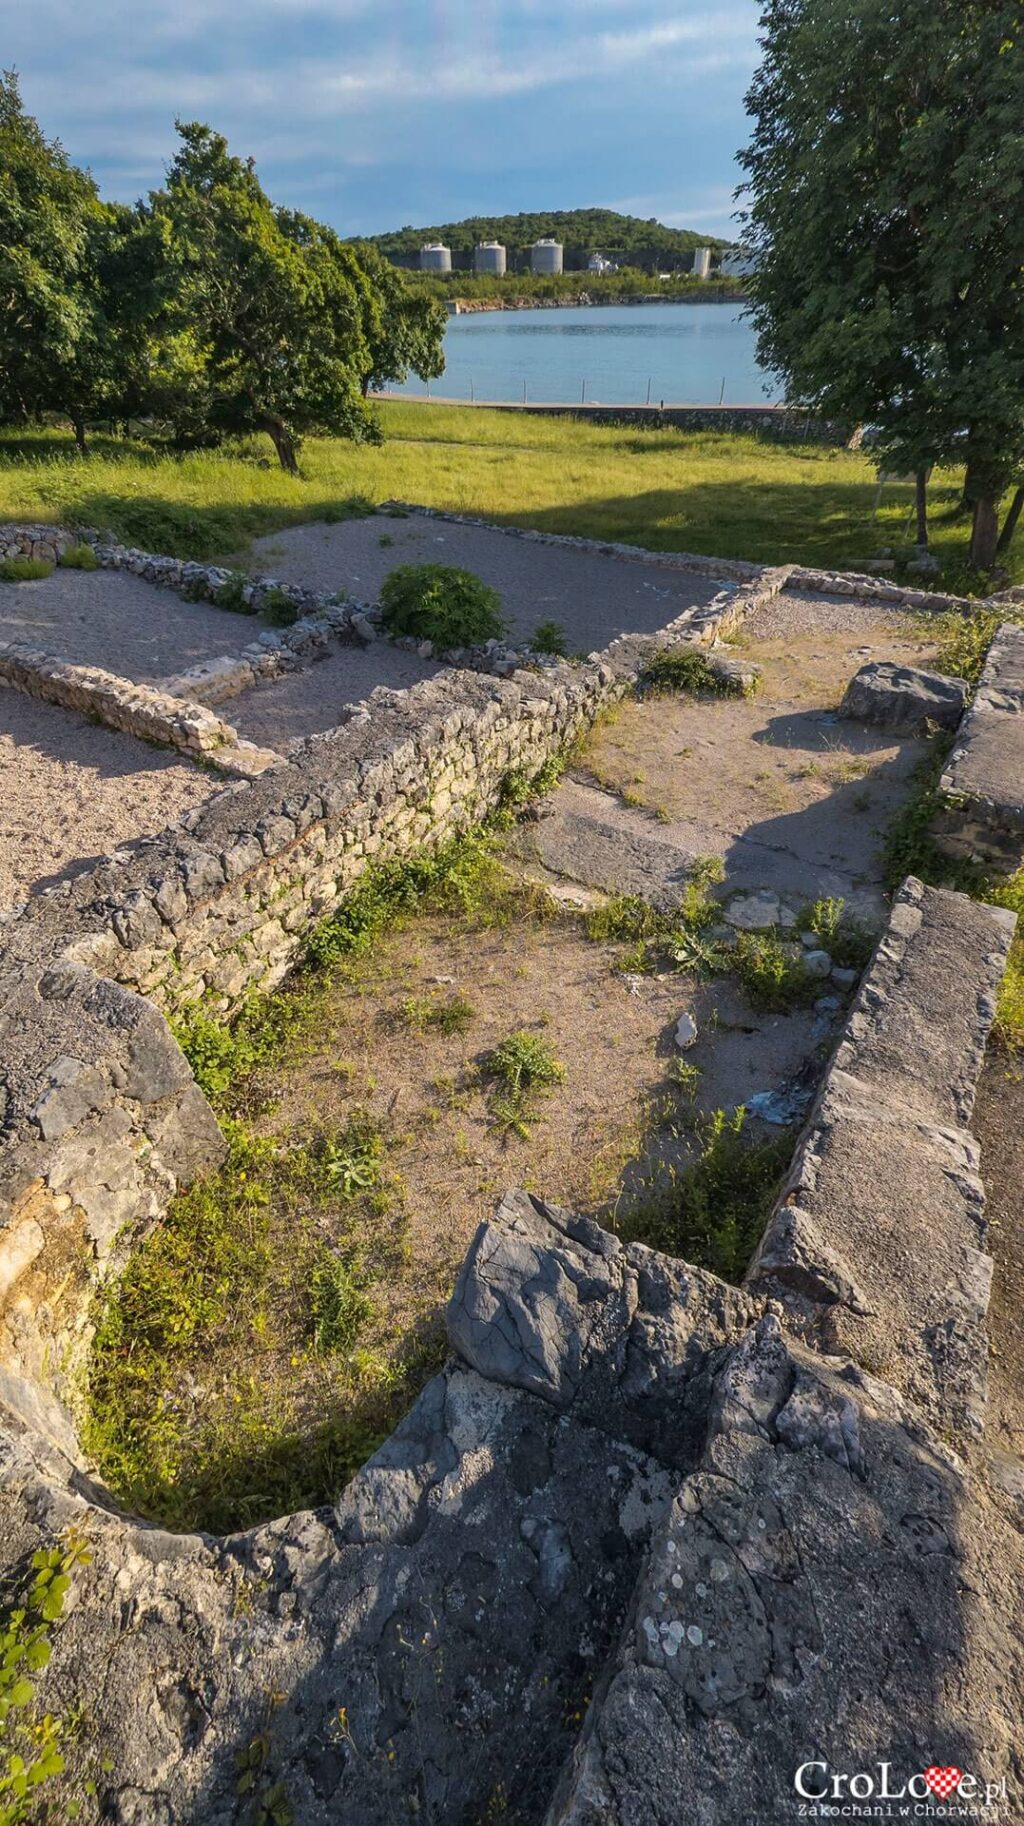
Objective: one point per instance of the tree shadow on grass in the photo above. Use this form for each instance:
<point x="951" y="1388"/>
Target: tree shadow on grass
<point x="768" y="522"/>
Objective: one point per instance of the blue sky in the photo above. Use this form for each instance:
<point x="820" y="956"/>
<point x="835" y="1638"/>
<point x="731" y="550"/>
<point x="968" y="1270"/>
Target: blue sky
<point x="373" y="113"/>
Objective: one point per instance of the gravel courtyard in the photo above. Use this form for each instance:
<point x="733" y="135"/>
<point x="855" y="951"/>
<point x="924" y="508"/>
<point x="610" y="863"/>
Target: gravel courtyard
<point x="592" y="595"/>
<point x="111" y="619"/>
<point x="72" y="791"/>
<point x="311" y="699"/>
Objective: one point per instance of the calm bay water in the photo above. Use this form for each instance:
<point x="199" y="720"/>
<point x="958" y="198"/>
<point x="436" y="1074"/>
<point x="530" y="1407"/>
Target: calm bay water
<point x="609" y="353"/>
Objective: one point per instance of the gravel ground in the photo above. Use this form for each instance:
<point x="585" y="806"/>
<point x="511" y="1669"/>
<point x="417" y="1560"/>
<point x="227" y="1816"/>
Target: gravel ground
<point x="110" y="619"/>
<point x="593" y="597"/>
<point x="309" y="700"/>
<point x="793" y="613"/>
<point x="72" y="791"/>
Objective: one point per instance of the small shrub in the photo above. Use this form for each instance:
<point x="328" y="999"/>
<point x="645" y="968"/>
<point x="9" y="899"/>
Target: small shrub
<point x="549" y="637"/>
<point x="278" y="610"/>
<point x="424" y="1014"/>
<point x="352" y="507"/>
<point x="686" y="668"/>
<point x="715" y="1213"/>
<point x="24" y="570"/>
<point x="437" y="602"/>
<point x="79" y="557"/>
<point x="230" y="595"/>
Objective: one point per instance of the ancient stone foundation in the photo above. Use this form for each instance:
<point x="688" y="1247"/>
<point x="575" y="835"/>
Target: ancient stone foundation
<point x="649" y="1542"/>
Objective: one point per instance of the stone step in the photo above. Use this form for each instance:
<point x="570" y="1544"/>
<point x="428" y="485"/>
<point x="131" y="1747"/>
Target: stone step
<point x="589" y="836"/>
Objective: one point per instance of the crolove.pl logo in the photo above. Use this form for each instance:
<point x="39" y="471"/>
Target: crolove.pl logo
<point x="942" y="1791"/>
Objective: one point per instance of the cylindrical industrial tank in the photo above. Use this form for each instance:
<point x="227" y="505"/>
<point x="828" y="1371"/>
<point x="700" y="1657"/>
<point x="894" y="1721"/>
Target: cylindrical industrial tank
<point x="701" y="262"/>
<point x="489" y="257"/>
<point x="435" y="258"/>
<point x="546" y="257"/>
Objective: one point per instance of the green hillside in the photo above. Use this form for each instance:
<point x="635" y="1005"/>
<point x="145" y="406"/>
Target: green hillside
<point x="580" y="230"/>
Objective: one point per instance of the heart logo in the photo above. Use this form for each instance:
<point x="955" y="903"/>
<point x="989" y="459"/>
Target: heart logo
<point x="943" y="1781"/>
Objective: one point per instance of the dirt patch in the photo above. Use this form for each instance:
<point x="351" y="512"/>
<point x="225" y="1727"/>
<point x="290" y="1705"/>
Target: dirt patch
<point x="127" y="626"/>
<point x="778" y="785"/>
<point x="311" y="699"/>
<point x="71" y="792"/>
<point x="591" y="595"/>
<point x="601" y="1140"/>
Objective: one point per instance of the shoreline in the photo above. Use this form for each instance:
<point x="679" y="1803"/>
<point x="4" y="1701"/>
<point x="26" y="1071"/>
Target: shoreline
<point x="788" y="424"/>
<point x="468" y="307"/>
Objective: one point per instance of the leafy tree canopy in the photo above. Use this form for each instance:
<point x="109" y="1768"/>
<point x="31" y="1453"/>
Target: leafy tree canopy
<point x="207" y="308"/>
<point x="886" y="206"/>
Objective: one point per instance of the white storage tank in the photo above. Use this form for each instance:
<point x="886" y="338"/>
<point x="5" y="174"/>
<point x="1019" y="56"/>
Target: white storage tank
<point x="702" y="262"/>
<point x="546" y="256"/>
<point x="435" y="258"/>
<point x="489" y="257"/>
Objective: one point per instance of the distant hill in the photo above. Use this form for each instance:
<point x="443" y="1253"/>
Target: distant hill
<point x="582" y="231"/>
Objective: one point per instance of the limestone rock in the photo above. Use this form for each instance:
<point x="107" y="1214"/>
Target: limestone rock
<point x="902" y="698"/>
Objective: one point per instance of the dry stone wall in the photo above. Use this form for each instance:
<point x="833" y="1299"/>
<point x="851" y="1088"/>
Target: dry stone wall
<point x="981" y="816"/>
<point x="643" y="1549"/>
<point x="142" y="710"/>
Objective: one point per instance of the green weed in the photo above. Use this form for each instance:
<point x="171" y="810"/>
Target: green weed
<point x="278" y="610"/>
<point x="715" y="1213"/>
<point x="773" y="976"/>
<point x="79" y="557"/>
<point x="521" y="1068"/>
<point x="549" y="637"/>
<point x="847" y="940"/>
<point x="24" y="570"/>
<point x="428" y="1014"/>
<point x="31" y="1758"/>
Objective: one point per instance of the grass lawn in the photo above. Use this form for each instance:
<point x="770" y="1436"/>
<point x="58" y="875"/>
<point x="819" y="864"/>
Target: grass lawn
<point x="667" y="490"/>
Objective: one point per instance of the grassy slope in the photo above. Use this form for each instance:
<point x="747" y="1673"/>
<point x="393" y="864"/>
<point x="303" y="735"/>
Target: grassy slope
<point x="705" y="492"/>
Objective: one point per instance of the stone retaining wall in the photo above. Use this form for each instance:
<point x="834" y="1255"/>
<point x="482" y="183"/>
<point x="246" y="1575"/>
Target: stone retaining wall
<point x="219" y="906"/>
<point x="46" y="542"/>
<point x="981" y="816"/>
<point x="140" y="710"/>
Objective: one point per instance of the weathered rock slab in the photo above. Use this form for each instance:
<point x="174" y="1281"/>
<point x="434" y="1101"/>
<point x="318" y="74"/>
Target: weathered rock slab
<point x="827" y="1587"/>
<point x="903" y="698"/>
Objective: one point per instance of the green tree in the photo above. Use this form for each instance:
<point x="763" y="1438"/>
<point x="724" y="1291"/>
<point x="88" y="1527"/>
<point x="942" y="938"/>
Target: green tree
<point x="50" y="311"/>
<point x="264" y="310"/>
<point x="403" y="323"/>
<point x="886" y="206"/>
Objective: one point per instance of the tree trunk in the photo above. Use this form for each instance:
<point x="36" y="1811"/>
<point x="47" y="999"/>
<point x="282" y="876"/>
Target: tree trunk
<point x="283" y="442"/>
<point x="985" y="533"/>
<point x="921" y="497"/>
<point x="1010" y="523"/>
<point x="79" y="425"/>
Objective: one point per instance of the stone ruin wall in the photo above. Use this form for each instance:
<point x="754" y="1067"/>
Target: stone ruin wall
<point x="215" y="909"/>
<point x="713" y="1424"/>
